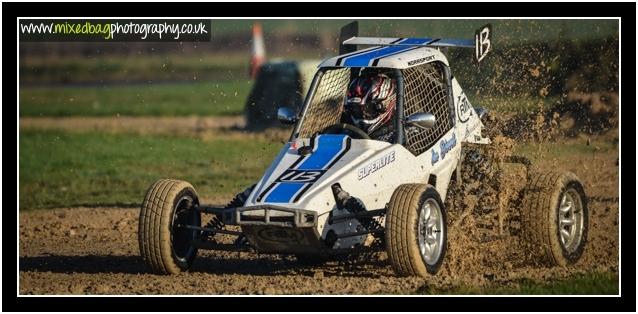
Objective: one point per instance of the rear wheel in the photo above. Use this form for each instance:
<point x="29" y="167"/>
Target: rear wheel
<point x="165" y="244"/>
<point x="555" y="218"/>
<point x="416" y="230"/>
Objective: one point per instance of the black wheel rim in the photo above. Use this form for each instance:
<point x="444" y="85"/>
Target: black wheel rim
<point x="183" y="237"/>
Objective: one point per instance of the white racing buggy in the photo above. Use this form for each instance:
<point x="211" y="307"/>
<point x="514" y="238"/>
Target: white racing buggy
<point x="334" y="191"/>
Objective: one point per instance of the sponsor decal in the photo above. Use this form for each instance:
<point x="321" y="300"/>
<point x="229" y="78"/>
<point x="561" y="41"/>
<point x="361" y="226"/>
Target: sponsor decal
<point x="471" y="130"/>
<point x="420" y="60"/>
<point x="435" y="157"/>
<point x="464" y="109"/>
<point x="447" y="145"/>
<point x="376" y="165"/>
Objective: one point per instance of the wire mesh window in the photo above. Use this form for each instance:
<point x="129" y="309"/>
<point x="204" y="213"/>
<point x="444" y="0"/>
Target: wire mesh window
<point x="426" y="90"/>
<point x="326" y="105"/>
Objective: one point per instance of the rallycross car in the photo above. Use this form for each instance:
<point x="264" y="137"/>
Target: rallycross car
<point x="333" y="191"/>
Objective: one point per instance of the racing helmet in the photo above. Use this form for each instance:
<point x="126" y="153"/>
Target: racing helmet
<point x="370" y="101"/>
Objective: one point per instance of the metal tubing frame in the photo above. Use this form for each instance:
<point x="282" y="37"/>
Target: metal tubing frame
<point x="400" y="119"/>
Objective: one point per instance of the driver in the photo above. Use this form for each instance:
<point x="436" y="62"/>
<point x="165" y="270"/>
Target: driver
<point x="370" y="105"/>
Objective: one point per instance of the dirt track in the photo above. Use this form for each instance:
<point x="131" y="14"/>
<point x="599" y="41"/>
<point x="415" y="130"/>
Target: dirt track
<point x="95" y="251"/>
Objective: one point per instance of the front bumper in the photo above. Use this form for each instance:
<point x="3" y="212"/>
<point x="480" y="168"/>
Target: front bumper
<point x="270" y="215"/>
<point x="276" y="229"/>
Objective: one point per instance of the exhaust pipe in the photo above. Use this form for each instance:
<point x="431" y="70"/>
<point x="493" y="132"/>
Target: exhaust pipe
<point x="340" y="195"/>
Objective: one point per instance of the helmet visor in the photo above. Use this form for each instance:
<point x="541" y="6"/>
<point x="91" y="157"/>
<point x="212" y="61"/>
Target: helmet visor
<point x="362" y="109"/>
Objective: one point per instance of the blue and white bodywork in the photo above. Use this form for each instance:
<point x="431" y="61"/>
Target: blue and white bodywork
<point x="301" y="176"/>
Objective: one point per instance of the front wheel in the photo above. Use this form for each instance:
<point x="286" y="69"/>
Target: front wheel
<point x="416" y="230"/>
<point x="165" y="243"/>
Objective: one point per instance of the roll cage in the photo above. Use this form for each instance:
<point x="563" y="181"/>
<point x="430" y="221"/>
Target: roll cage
<point x="312" y="119"/>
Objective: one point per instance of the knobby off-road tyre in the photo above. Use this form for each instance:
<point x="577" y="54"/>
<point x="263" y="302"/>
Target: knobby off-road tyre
<point x="165" y="246"/>
<point x="416" y="230"/>
<point x="554" y="218"/>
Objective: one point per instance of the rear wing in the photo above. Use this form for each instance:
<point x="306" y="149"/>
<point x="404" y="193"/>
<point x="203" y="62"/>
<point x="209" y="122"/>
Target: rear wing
<point x="481" y="43"/>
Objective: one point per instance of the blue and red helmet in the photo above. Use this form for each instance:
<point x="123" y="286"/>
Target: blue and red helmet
<point x="371" y="100"/>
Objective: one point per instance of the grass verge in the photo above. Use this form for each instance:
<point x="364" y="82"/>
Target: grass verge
<point x="60" y="169"/>
<point x="175" y="99"/>
<point x="584" y="284"/>
<point x="132" y="68"/>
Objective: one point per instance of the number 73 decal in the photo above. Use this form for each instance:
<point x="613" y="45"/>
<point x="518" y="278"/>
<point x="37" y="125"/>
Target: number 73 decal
<point x="292" y="175"/>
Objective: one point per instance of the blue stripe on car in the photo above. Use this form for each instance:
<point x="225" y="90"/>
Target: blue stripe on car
<point x="364" y="59"/>
<point x="327" y="149"/>
<point x="284" y="192"/>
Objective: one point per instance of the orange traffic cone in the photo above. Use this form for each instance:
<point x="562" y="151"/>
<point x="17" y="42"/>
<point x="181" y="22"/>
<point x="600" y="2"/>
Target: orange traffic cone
<point x="258" y="53"/>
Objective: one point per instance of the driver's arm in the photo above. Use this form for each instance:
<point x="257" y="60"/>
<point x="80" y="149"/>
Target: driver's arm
<point x="384" y="133"/>
<point x="345" y="117"/>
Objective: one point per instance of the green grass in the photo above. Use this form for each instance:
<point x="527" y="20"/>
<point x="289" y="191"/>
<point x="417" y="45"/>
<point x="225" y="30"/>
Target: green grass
<point x="593" y="283"/>
<point x="59" y="169"/>
<point x="201" y="98"/>
<point x="596" y="283"/>
<point x="133" y="68"/>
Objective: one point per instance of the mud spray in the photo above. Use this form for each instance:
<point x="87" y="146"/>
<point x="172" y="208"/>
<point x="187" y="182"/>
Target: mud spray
<point x="484" y="204"/>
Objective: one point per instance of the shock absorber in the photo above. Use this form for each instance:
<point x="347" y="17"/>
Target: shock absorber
<point x="216" y="222"/>
<point x="354" y="205"/>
